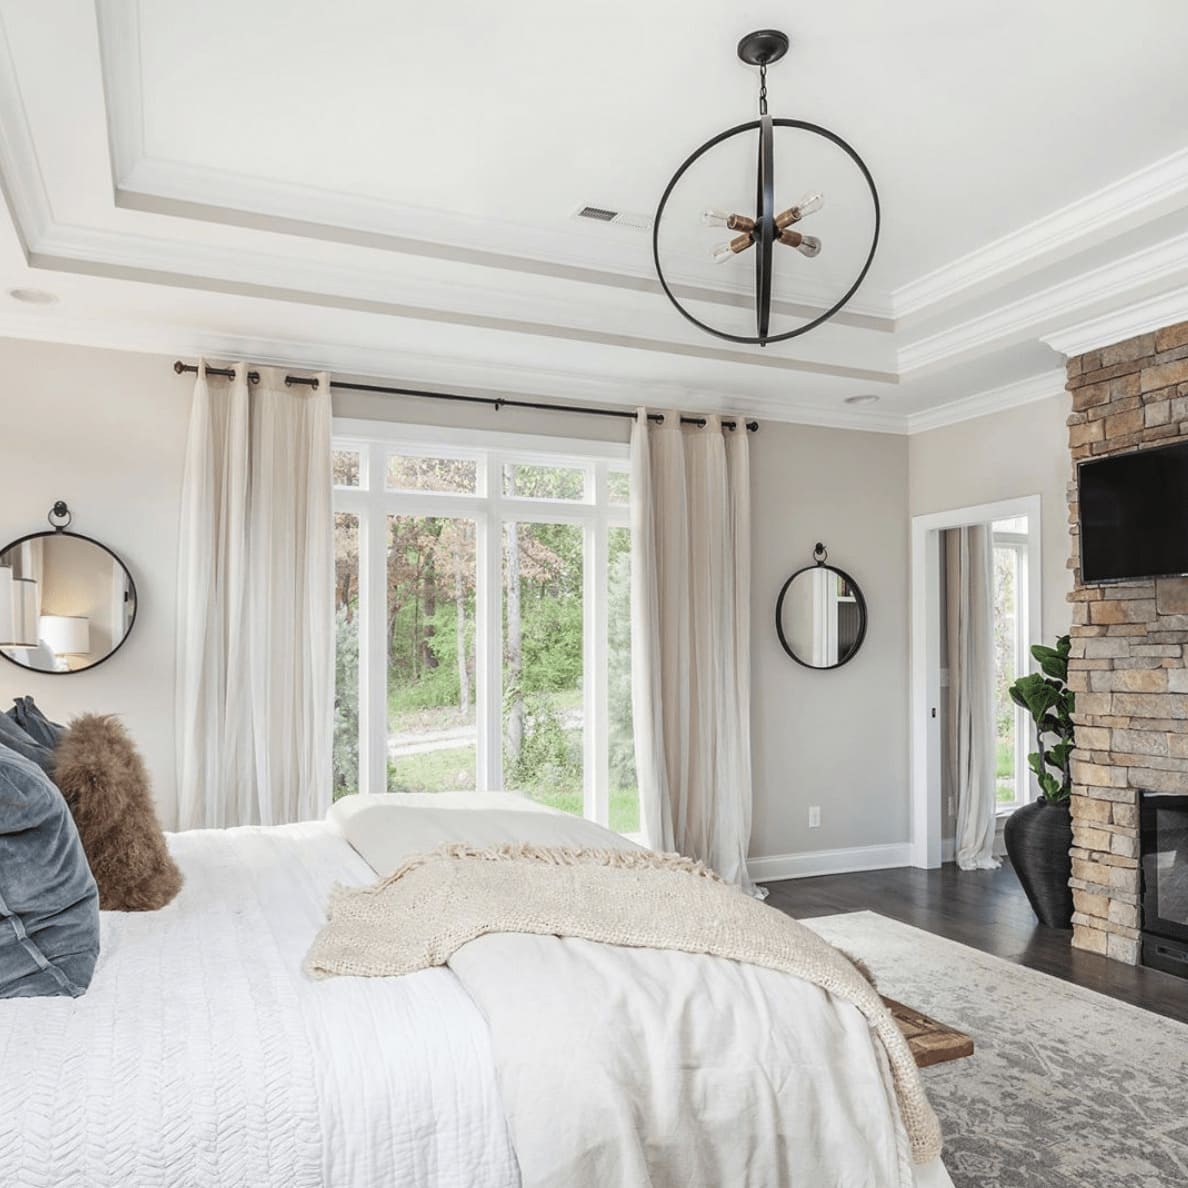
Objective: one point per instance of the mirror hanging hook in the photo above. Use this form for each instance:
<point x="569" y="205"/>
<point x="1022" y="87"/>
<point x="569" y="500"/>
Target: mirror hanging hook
<point x="820" y="553"/>
<point x="59" y="512"/>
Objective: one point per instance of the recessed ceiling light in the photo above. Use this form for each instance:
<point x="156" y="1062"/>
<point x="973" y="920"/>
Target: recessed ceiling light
<point x="34" y="296"/>
<point x="865" y="398"/>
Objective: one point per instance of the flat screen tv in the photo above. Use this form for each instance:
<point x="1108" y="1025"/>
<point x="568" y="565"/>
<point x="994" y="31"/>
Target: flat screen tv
<point x="1134" y="514"/>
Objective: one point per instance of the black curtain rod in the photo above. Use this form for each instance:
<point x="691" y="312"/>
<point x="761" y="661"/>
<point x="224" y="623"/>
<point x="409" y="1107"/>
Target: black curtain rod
<point x="495" y="402"/>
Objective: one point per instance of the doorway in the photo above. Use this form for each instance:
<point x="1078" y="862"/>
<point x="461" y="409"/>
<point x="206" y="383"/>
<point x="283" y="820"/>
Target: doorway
<point x="1015" y="524"/>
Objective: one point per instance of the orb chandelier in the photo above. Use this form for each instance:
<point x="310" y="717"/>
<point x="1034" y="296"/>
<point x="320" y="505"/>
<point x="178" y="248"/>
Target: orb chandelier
<point x="778" y="232"/>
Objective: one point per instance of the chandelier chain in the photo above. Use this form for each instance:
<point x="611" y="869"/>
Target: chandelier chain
<point x="763" y="90"/>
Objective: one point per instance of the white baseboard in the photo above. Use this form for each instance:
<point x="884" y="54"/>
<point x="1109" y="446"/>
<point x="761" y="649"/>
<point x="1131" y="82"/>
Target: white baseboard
<point x="818" y="862"/>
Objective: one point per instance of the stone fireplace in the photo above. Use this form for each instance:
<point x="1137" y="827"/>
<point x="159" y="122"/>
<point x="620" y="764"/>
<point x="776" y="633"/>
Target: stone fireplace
<point x="1128" y="660"/>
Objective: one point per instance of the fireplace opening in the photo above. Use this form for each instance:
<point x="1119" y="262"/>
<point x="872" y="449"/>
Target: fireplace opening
<point x="1164" y="846"/>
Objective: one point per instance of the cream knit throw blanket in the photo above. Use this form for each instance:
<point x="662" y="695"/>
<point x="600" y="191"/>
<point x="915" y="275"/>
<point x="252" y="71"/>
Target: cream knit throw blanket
<point x="419" y="915"/>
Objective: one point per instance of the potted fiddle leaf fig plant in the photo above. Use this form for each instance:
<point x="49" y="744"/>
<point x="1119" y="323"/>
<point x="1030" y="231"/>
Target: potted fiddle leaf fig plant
<point x="1038" y="835"/>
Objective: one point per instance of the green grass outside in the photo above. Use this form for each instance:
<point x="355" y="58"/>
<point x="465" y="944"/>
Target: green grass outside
<point x="433" y="771"/>
<point x="1004" y="770"/>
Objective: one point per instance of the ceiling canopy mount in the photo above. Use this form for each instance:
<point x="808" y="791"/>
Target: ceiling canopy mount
<point x="763" y="47"/>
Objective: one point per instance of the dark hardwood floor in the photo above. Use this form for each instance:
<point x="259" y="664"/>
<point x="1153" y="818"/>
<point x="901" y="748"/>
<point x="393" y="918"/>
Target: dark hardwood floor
<point x="987" y="910"/>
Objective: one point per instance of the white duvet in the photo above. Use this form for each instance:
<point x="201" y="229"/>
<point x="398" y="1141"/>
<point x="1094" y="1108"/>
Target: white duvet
<point x="203" y="1056"/>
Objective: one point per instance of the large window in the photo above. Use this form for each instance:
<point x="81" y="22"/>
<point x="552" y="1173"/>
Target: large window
<point x="483" y="618"/>
<point x="1014" y="740"/>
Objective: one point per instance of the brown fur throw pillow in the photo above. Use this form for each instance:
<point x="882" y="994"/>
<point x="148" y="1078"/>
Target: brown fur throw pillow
<point x="104" y="781"/>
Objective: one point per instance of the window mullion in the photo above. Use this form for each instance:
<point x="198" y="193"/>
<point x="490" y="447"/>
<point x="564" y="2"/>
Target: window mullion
<point x="489" y="631"/>
<point x="596" y="780"/>
<point x="373" y="643"/>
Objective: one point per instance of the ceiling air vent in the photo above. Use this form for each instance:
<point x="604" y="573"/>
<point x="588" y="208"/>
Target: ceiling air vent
<point x="620" y="218"/>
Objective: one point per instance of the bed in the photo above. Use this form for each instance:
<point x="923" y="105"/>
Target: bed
<point x="202" y="1055"/>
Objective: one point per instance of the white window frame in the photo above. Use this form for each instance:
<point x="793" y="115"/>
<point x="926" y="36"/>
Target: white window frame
<point x="489" y="508"/>
<point x="1025" y="783"/>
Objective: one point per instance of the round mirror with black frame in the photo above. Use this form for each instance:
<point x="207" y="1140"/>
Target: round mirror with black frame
<point x="67" y="602"/>
<point x="821" y="614"/>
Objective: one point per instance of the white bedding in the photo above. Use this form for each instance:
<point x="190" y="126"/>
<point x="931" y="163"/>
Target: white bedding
<point x="203" y="1056"/>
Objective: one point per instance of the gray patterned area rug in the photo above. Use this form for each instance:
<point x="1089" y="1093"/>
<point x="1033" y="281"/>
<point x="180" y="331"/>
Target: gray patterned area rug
<point x="1066" y="1088"/>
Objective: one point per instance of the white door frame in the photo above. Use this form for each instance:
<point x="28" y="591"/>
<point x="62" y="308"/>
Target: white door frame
<point x="926" y="657"/>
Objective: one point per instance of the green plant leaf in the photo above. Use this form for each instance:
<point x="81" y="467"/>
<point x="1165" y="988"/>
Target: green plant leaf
<point x="1051" y="703"/>
<point x="1059" y="754"/>
<point x="1036" y="695"/>
<point x="1053" y="663"/>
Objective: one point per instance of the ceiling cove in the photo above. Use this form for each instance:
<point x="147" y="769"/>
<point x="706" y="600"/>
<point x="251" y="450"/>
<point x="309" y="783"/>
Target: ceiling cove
<point x="226" y="258"/>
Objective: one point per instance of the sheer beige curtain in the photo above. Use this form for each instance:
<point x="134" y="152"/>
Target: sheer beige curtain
<point x="255" y="661"/>
<point x="969" y="596"/>
<point x="691" y="639"/>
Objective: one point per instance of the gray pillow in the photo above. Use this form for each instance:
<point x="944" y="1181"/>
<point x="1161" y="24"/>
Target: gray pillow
<point x="35" y="724"/>
<point x="49" y="904"/>
<point x="16" y="739"/>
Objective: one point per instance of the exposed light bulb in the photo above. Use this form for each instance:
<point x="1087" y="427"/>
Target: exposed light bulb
<point x="810" y="203"/>
<point x="739" y="243"/>
<point x="806" y="206"/>
<point x="719" y="218"/>
<point x="807" y="245"/>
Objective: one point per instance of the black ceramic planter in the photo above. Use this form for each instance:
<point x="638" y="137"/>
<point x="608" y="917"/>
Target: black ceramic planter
<point x="1038" y="838"/>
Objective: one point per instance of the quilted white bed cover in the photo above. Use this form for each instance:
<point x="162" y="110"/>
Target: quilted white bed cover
<point x="203" y="1056"/>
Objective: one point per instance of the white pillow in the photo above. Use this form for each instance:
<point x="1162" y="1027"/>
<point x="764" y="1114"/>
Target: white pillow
<point x="388" y="829"/>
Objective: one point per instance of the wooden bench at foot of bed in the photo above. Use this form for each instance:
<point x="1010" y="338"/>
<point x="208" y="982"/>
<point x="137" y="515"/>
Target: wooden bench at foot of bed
<point x="931" y="1042"/>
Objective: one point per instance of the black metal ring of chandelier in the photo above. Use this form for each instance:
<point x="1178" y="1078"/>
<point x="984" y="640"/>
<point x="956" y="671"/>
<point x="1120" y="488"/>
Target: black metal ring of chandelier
<point x="765" y="229"/>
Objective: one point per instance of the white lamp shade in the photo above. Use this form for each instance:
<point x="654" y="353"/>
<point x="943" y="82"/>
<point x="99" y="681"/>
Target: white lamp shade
<point x="25" y="611"/>
<point x="7" y="609"/>
<point x="66" y="635"/>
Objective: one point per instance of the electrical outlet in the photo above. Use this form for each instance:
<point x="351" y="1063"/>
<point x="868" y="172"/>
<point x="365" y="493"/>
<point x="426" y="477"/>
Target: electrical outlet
<point x="814" y="816"/>
<point x="951" y="808"/>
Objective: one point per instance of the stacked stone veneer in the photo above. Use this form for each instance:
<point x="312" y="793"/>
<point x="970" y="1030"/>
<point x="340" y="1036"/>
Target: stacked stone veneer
<point x="1128" y="647"/>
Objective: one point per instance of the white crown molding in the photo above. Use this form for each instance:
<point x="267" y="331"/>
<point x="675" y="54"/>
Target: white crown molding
<point x="447" y="373"/>
<point x="378" y="291"/>
<point x="604" y="254"/>
<point x="118" y="26"/>
<point x="1141" y="318"/>
<point x="966" y="408"/>
<point x="477" y="377"/>
<point x="1132" y="200"/>
<point x="1162" y="263"/>
<point x="21" y="175"/>
<point x="773" y="867"/>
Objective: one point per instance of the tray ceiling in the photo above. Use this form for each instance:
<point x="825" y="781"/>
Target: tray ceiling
<point x="391" y="191"/>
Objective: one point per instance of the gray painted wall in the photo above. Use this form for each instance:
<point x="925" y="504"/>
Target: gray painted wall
<point x="838" y="738"/>
<point x="1022" y="451"/>
<point x="106" y="431"/>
